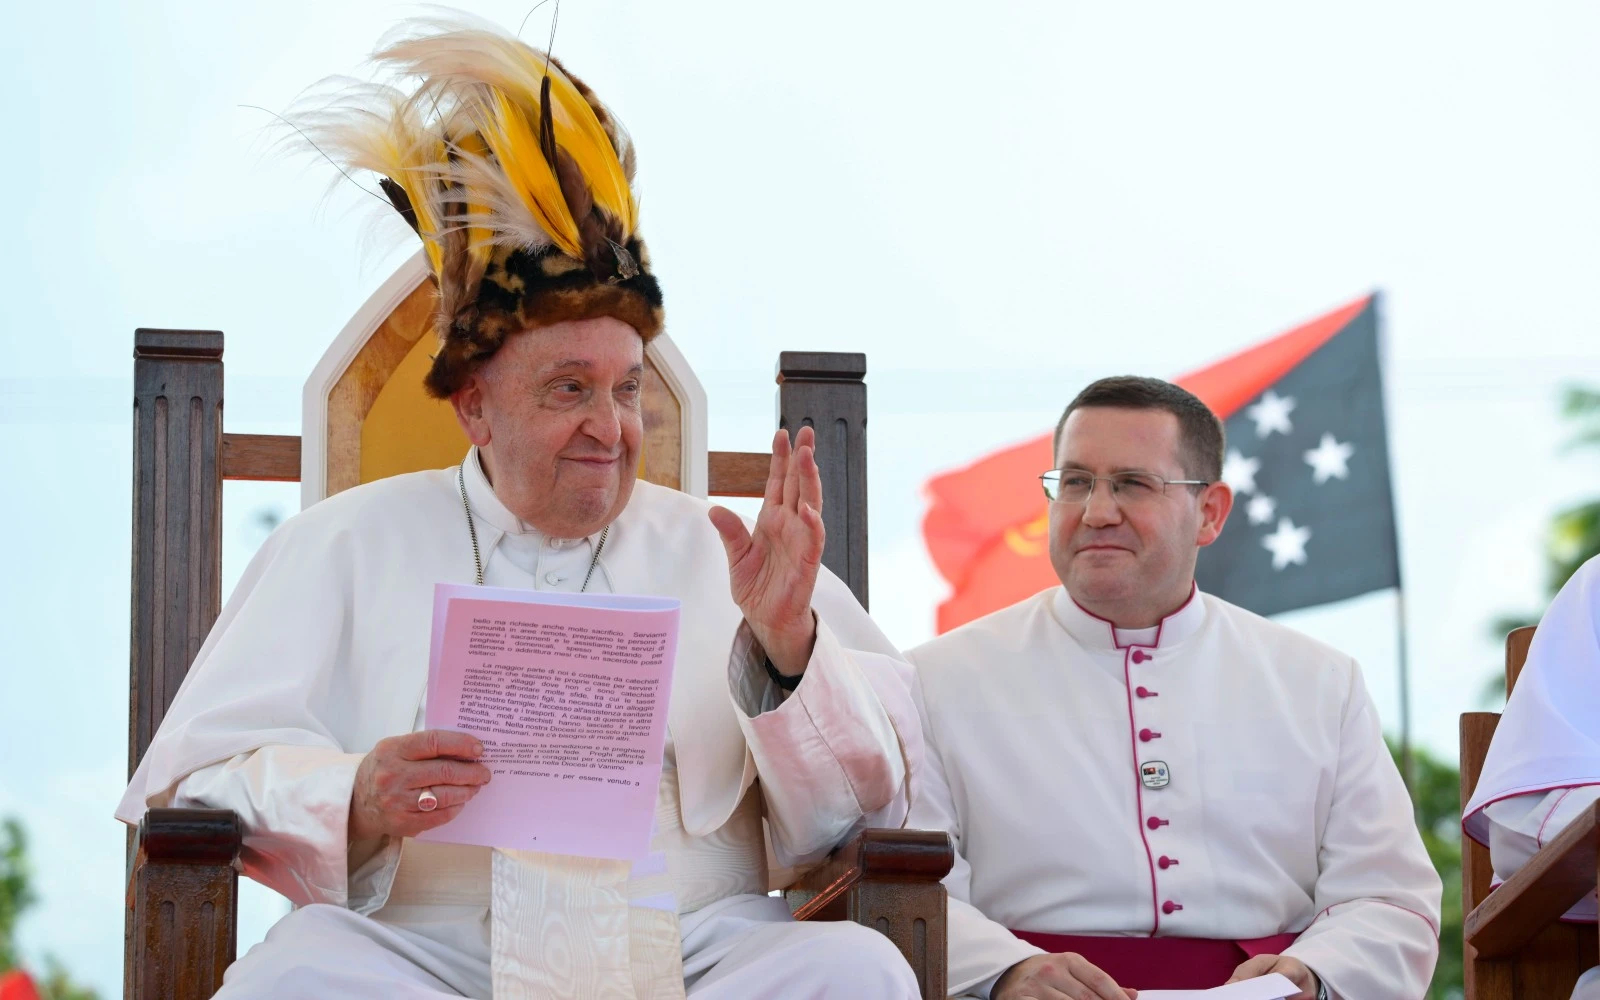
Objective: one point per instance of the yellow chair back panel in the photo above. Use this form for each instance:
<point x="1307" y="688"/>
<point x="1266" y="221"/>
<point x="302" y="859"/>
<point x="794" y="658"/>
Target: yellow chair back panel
<point x="381" y="423"/>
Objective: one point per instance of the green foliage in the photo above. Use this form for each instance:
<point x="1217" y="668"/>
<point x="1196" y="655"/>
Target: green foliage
<point x="1436" y="793"/>
<point x="1573" y="536"/>
<point x="16" y="896"/>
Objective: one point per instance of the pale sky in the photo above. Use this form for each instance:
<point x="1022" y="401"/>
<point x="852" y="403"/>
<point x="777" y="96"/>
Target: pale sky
<point x="996" y="202"/>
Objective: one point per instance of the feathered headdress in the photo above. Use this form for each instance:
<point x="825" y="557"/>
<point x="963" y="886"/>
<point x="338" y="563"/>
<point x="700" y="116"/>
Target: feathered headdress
<point x="515" y="176"/>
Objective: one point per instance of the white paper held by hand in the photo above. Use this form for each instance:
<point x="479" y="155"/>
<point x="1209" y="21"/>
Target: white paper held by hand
<point x="568" y="693"/>
<point x="1271" y="987"/>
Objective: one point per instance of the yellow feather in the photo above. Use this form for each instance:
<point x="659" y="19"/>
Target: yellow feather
<point x="469" y="133"/>
<point x="512" y="140"/>
<point x="579" y="132"/>
<point x="480" y="242"/>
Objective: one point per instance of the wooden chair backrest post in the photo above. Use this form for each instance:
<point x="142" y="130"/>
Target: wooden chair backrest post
<point x="1549" y="965"/>
<point x="177" y="510"/>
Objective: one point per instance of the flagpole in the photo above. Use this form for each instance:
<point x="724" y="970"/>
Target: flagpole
<point x="1406" y="771"/>
<point x="1407" y="768"/>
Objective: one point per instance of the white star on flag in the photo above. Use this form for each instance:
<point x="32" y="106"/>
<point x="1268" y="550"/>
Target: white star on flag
<point x="1330" y="460"/>
<point x="1261" y="509"/>
<point x="1288" y="544"/>
<point x="1240" y="472"/>
<point x="1272" y="414"/>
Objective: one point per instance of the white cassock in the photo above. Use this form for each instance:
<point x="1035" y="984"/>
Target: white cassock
<point x="323" y="650"/>
<point x="1543" y="766"/>
<point x="1275" y="807"/>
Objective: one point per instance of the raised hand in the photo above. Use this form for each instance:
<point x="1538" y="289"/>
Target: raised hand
<point x="386" y="799"/>
<point x="773" y="570"/>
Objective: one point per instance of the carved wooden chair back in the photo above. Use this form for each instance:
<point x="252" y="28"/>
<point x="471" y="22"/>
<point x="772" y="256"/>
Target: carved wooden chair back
<point x="1551" y="962"/>
<point x="364" y="417"/>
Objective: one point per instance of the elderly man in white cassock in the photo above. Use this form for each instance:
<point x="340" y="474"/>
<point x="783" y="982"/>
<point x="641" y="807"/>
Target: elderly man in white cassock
<point x="1543" y="766"/>
<point x="1149" y="787"/>
<point x="303" y="711"/>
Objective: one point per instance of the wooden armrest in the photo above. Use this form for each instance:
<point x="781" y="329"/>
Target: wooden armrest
<point x="190" y="836"/>
<point x="1562" y="873"/>
<point x="888" y="880"/>
<point x="182" y="904"/>
<point x="893" y="856"/>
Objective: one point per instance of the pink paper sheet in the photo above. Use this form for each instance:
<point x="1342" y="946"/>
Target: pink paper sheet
<point x="568" y="693"/>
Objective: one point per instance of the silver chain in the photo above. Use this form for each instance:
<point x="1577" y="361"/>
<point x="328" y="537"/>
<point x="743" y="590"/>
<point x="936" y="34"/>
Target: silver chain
<point x="472" y="530"/>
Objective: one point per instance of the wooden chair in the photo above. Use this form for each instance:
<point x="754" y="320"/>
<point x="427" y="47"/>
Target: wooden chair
<point x="183" y="863"/>
<point x="1516" y="947"/>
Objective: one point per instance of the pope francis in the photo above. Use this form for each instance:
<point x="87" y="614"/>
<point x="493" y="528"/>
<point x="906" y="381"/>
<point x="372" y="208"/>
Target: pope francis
<point x="303" y="711"/>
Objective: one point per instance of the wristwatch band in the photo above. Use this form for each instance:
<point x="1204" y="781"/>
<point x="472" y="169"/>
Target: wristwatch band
<point x="787" y="683"/>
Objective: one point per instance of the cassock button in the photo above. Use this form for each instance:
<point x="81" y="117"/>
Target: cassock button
<point x="1146" y="735"/>
<point x="1169" y="907"/>
<point x="1166" y="862"/>
<point x="1155" y="822"/>
<point x="1144" y="692"/>
<point x="552" y="578"/>
<point x="1139" y="656"/>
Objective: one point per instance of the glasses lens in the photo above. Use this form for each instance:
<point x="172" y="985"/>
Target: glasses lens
<point x="1136" y="487"/>
<point x="1074" y="486"/>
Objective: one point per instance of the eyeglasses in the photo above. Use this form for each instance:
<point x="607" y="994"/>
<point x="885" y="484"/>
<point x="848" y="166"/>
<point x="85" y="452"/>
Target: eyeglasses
<point x="1127" y="488"/>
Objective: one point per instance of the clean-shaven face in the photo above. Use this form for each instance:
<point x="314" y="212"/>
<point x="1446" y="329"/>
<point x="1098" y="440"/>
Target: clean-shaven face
<point x="556" y="412"/>
<point x="1131" y="563"/>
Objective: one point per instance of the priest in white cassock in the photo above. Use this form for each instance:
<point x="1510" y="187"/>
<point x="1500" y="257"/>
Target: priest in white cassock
<point x="1543" y="766"/>
<point x="303" y="711"/>
<point x="1149" y="787"/>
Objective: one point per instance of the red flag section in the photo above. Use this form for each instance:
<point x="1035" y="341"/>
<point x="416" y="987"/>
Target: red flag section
<point x="986" y="526"/>
<point x="15" y="985"/>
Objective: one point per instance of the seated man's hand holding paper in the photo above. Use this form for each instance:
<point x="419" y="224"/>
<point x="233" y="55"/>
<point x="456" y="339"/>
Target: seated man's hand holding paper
<point x="388" y="798"/>
<point x="1053" y="977"/>
<point x="1290" y="968"/>
<point x="773" y="570"/>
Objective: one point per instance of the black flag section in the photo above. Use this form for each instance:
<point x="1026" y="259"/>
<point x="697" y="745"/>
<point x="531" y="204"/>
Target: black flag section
<point x="1308" y="460"/>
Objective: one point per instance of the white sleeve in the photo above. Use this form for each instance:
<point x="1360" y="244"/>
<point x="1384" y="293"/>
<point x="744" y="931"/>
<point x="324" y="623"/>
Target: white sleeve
<point x="980" y="949"/>
<point x="1377" y="894"/>
<point x="830" y="758"/>
<point x="1520" y="825"/>
<point x="294" y="806"/>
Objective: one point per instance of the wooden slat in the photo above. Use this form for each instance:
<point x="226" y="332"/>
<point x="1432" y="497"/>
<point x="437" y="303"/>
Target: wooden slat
<point x="269" y="457"/>
<point x="1517" y="643"/>
<point x="1562" y="873"/>
<point x="276" y="458"/>
<point x="1477" y="731"/>
<point x="738" y="473"/>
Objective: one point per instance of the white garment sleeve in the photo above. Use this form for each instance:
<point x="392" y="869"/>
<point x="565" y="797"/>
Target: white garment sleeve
<point x="294" y="806"/>
<point x="829" y="757"/>
<point x="1522" y="824"/>
<point x="979" y="949"/>
<point x="1377" y="894"/>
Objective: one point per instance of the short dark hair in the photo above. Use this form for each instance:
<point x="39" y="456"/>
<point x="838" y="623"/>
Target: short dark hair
<point x="1200" y="435"/>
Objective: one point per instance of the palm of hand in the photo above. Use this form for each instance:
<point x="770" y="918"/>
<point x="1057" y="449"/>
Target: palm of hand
<point x="772" y="570"/>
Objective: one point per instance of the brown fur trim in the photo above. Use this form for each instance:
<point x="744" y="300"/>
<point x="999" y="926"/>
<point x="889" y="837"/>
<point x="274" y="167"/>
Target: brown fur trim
<point x="466" y="348"/>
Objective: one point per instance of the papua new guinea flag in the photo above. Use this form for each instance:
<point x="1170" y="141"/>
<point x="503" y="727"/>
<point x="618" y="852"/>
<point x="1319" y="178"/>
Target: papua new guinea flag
<point x="1307" y="457"/>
